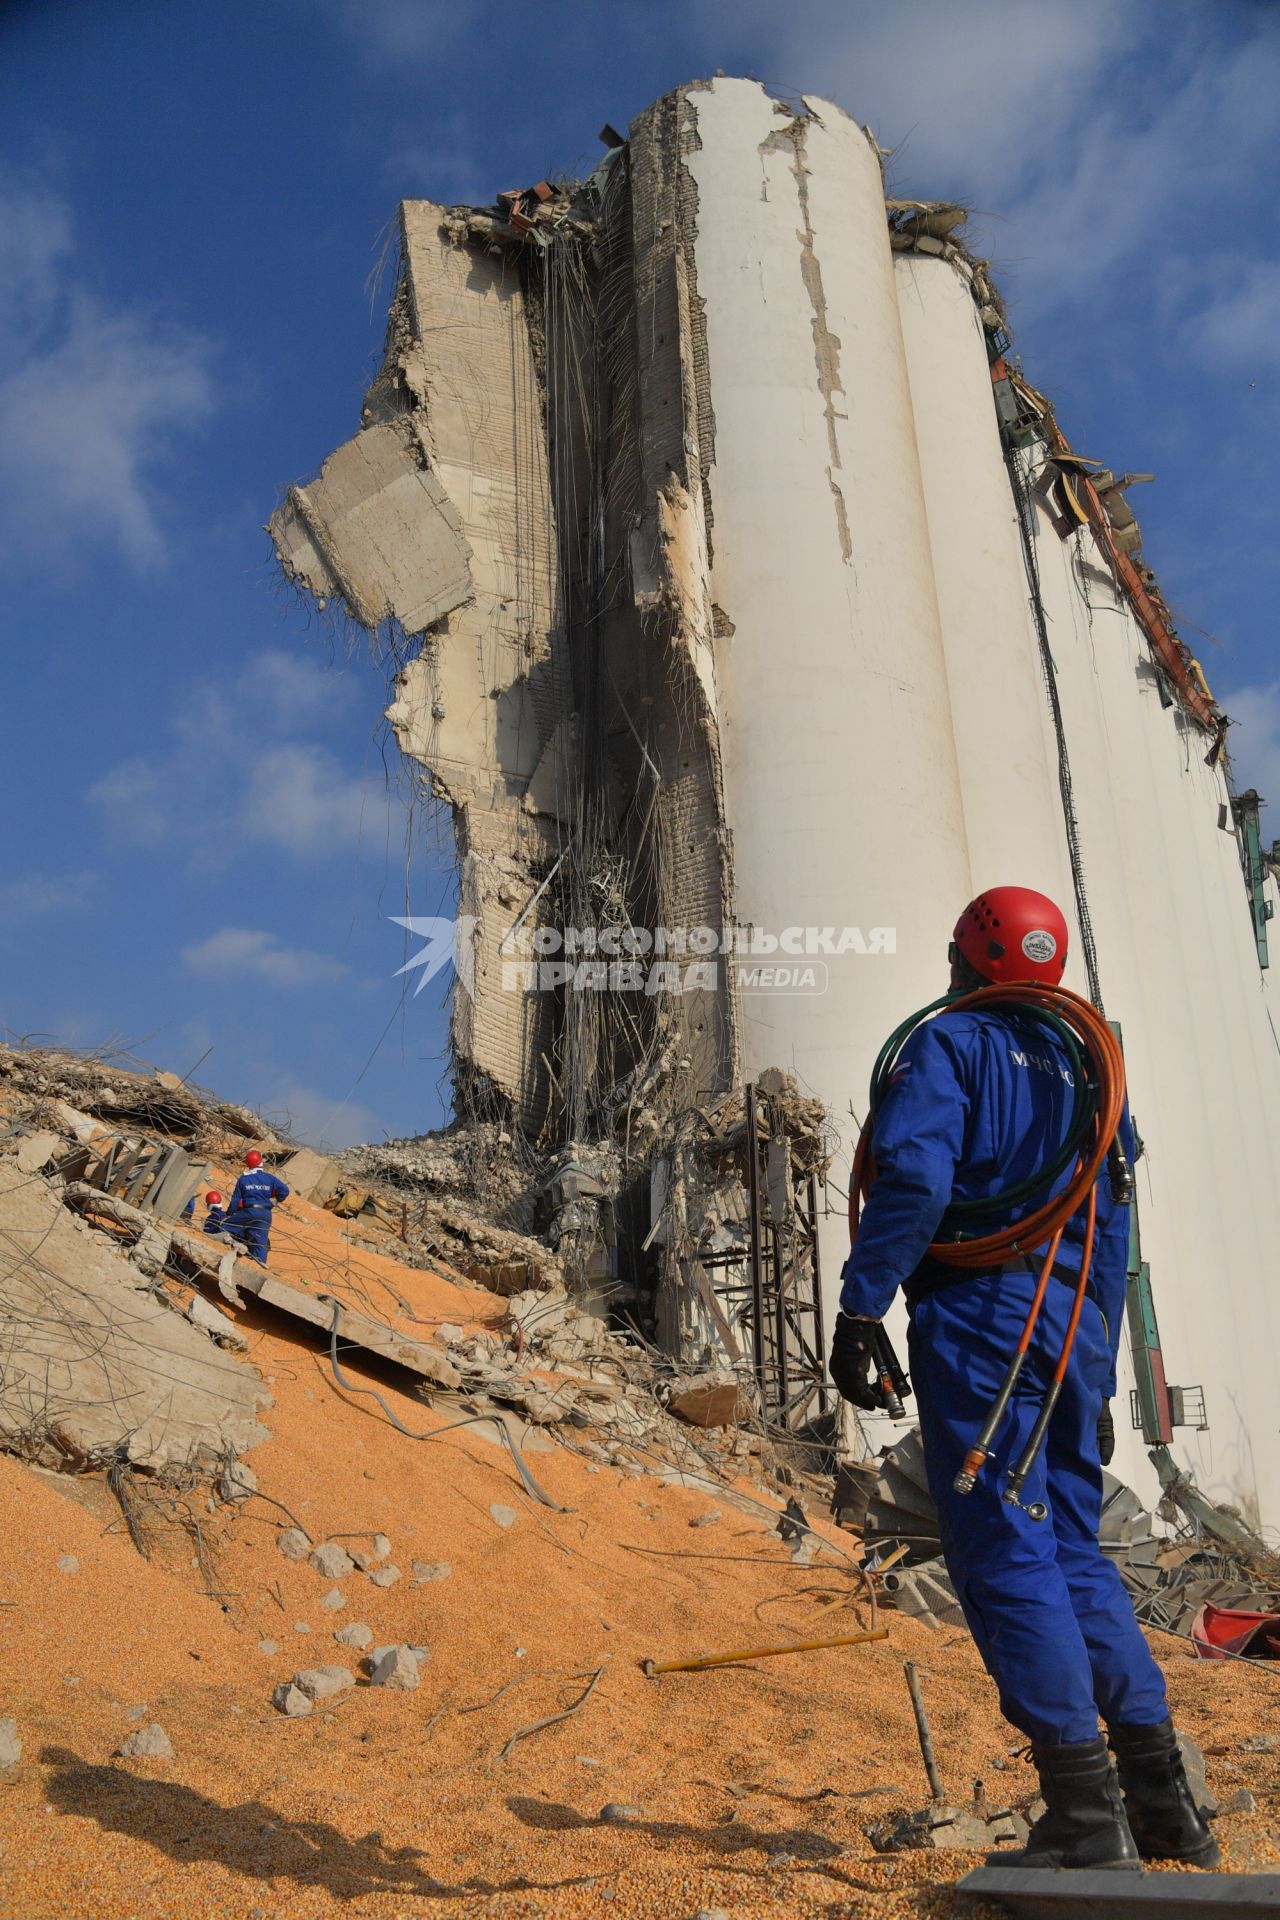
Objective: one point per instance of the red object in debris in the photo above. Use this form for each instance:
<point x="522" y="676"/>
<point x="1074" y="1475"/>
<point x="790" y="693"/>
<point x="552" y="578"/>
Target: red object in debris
<point x="999" y="371"/>
<point x="1219" y="1631"/>
<point x="543" y="191"/>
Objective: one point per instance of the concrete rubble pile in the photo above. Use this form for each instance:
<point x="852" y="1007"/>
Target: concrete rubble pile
<point x="120" y="1096"/>
<point x="96" y="1369"/>
<point x="499" y="1212"/>
<point x="610" y="1397"/>
<point x="105" y="1305"/>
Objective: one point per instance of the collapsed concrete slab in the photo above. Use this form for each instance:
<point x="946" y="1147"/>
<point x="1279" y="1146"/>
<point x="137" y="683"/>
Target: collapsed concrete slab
<point x="96" y="1367"/>
<point x="314" y="1175"/>
<point x="210" y="1258"/>
<point x="377" y="531"/>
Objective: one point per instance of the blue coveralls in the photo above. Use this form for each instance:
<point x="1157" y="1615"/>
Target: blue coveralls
<point x="249" y="1210"/>
<point x="213" y="1218"/>
<point x="976" y="1102"/>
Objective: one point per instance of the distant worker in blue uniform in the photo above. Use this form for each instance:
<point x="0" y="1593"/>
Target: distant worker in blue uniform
<point x="976" y="1103"/>
<point x="214" y="1215"/>
<point x="249" y="1209"/>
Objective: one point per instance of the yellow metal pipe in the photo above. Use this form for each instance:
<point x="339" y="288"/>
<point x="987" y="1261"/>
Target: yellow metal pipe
<point x="762" y="1653"/>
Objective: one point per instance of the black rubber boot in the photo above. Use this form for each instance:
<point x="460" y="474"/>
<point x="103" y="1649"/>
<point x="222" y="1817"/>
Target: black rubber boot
<point x="1083" y="1824"/>
<point x="1163" y="1816"/>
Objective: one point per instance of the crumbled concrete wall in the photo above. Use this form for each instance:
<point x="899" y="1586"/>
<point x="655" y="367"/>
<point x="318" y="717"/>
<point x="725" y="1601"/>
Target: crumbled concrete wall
<point x="92" y="1363"/>
<point x="670" y="559"/>
<point x="438" y="515"/>
<point x="481" y="703"/>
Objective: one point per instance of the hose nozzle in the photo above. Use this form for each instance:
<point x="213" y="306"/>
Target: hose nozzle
<point x="970" y="1469"/>
<point x="892" y="1405"/>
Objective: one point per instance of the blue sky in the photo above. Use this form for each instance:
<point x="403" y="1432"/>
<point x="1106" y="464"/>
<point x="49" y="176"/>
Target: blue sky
<point x="206" y="827"/>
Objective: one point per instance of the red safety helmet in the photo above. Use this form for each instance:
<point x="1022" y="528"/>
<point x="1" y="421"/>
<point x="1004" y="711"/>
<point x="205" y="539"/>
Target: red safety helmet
<point x="213" y="1199"/>
<point x="253" y="1158"/>
<point x="1013" y="933"/>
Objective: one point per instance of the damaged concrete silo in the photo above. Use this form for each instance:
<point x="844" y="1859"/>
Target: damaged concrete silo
<point x="728" y="537"/>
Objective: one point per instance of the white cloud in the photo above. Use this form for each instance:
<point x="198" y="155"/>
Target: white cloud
<point x="224" y="779"/>
<point x="289" y="795"/>
<point x="36" y="895"/>
<point x="318" y="1118"/>
<point x="964" y="93"/>
<point x="1240" y="324"/>
<point x="389" y="31"/>
<point x="1254" y="744"/>
<point x="298" y="797"/>
<point x="294" y="686"/>
<point x="1145" y="168"/>
<point x="246" y="953"/>
<point x="94" y="398"/>
<point x="1093" y="135"/>
<point x="35" y="241"/>
<point x="449" y="166"/>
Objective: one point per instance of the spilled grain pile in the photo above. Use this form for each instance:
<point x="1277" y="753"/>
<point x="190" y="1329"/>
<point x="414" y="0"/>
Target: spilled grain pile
<point x="748" y="1788"/>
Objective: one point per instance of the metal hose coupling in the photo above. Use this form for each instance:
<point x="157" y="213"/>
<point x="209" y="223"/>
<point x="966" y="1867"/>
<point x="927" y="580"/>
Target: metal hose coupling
<point x="970" y="1468"/>
<point x="1036" y="1511"/>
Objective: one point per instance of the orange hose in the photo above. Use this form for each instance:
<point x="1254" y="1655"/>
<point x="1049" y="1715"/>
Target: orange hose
<point x="1077" y="1305"/>
<point x="1046" y="1221"/>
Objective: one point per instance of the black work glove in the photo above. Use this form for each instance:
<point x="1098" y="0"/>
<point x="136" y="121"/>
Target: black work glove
<point x="1106" y="1434"/>
<point x="852" y="1366"/>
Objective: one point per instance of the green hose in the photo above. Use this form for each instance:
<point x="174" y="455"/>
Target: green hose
<point x="1084" y="1109"/>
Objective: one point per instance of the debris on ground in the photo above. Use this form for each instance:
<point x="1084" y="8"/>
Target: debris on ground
<point x="97" y="1368"/>
<point x="394" y="1667"/>
<point x="197" y="1589"/>
<point x="148" y="1743"/>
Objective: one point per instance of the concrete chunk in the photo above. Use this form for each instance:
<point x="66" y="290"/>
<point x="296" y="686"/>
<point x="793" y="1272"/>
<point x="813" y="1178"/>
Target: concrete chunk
<point x="385" y="1576"/>
<point x="291" y="1700"/>
<point x="37" y="1150"/>
<point x="620" y="1813"/>
<point x="293" y="1543"/>
<point x="397" y="1668"/>
<point x="321" y="1683"/>
<point x="148" y="1743"/>
<point x="10" y="1745"/>
<point x="424" y="1570"/>
<point x="218" y="1326"/>
<point x="708" y="1402"/>
<point x="239" y="1481"/>
<point x="377" y="531"/>
<point x="354" y="1634"/>
<point x="333" y="1561"/>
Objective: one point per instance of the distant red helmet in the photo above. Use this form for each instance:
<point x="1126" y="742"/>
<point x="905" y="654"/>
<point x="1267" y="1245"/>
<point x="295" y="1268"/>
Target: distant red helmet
<point x="254" y="1159"/>
<point x="1013" y="933"/>
<point x="213" y="1199"/>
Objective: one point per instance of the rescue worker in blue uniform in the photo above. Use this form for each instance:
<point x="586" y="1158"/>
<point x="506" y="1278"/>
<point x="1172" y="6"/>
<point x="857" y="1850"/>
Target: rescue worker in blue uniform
<point x="215" y="1215"/>
<point x="977" y="1101"/>
<point x="253" y="1197"/>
